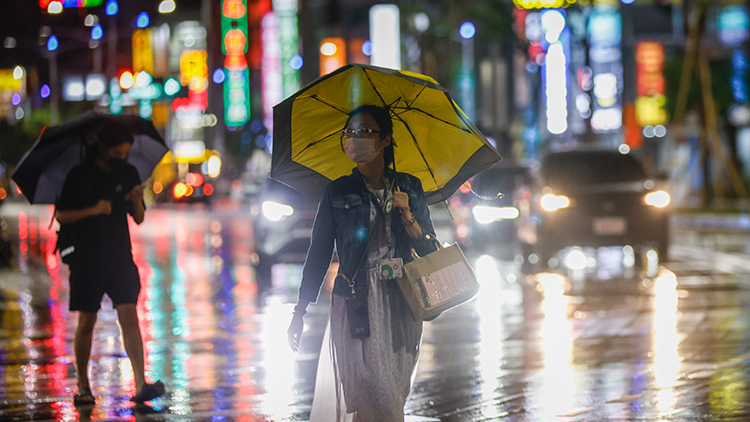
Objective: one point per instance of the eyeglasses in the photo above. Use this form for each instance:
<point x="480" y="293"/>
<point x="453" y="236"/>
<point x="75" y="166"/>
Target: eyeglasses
<point x="357" y="133"/>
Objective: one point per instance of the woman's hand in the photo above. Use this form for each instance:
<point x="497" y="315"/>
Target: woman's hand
<point x="294" y="333"/>
<point x="401" y="200"/>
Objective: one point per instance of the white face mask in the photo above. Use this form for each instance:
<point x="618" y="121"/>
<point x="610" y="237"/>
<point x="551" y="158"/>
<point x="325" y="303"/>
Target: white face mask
<point x="360" y="150"/>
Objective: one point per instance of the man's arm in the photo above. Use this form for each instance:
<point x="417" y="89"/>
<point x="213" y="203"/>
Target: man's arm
<point x="138" y="211"/>
<point x="74" y="216"/>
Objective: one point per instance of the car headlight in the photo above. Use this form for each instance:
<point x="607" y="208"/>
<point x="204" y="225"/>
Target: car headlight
<point x="485" y="215"/>
<point x="658" y="199"/>
<point x="552" y="202"/>
<point x="275" y="211"/>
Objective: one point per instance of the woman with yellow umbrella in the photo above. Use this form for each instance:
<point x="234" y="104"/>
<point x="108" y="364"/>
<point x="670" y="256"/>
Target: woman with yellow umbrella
<point x="374" y="216"/>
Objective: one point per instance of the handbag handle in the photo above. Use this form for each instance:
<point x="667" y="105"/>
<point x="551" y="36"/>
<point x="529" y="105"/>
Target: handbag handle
<point x="437" y="243"/>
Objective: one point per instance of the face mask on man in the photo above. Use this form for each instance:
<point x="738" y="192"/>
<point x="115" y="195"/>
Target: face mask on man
<point x="116" y="163"/>
<point x="360" y="150"/>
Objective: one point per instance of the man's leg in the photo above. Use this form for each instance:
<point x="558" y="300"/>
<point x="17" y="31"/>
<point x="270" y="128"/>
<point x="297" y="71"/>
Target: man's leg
<point x="82" y="346"/>
<point x="131" y="335"/>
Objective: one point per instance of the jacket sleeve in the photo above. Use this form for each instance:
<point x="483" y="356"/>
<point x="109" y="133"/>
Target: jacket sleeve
<point x="321" y="250"/>
<point x="418" y="204"/>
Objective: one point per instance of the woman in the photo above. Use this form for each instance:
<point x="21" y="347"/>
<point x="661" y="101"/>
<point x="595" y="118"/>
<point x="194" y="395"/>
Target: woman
<point x="97" y="196"/>
<point x="374" y="217"/>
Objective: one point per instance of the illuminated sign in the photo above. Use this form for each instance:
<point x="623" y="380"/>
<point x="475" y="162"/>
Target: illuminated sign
<point x="12" y="90"/>
<point x="732" y="24"/>
<point x="9" y="82"/>
<point x="650" y="83"/>
<point x="270" y="69"/>
<point x="115" y="94"/>
<point x="739" y="76"/>
<point x="288" y="39"/>
<point x="193" y="65"/>
<point x="542" y="4"/>
<point x="234" y="46"/>
<point x="73" y="88"/>
<point x="151" y="91"/>
<point x="72" y="3"/>
<point x="143" y="55"/>
<point x="96" y="86"/>
<point x="604" y="32"/>
<point x="385" y="35"/>
<point x="332" y="54"/>
<point x="233" y="18"/>
<point x="555" y="70"/>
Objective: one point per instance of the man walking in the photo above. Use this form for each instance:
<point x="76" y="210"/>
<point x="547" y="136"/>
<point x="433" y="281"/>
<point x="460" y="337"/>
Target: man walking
<point x="97" y="196"/>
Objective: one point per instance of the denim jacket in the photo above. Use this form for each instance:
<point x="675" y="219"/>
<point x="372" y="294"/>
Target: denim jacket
<point x="343" y="219"/>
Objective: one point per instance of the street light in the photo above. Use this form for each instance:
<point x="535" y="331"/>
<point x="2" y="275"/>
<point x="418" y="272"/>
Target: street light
<point x="167" y="6"/>
<point x="112" y="8"/>
<point x="466" y="75"/>
<point x="54" y="8"/>
<point x="52" y="46"/>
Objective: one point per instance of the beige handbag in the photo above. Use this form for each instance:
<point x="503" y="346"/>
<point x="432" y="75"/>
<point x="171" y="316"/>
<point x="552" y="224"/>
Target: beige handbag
<point x="437" y="282"/>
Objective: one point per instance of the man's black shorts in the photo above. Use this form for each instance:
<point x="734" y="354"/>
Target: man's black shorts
<point x="88" y="285"/>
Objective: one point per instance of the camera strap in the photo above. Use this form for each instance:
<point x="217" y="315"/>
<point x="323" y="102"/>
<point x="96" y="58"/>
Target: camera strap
<point x="350" y="281"/>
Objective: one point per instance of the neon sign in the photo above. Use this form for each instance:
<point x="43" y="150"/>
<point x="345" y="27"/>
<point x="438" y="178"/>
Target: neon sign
<point x="650" y="83"/>
<point x="234" y="46"/>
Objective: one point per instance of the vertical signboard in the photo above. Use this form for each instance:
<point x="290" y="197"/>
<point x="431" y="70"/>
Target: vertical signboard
<point x="385" y="35"/>
<point x="234" y="46"/>
<point x="332" y="54"/>
<point x="270" y="70"/>
<point x="605" y="55"/>
<point x="650" y="84"/>
<point x="288" y="36"/>
<point x="143" y="55"/>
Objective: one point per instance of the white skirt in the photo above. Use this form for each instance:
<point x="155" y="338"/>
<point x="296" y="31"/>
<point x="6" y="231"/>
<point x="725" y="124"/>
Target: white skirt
<point x="368" y="379"/>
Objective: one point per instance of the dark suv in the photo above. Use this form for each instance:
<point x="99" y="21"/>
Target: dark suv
<point x="599" y="198"/>
<point x="282" y="225"/>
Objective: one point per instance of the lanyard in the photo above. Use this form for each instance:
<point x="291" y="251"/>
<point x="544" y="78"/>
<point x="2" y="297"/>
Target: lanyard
<point x="386" y="206"/>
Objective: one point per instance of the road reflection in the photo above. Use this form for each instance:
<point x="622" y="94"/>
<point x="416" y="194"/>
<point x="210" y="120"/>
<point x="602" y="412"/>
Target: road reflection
<point x="556" y="340"/>
<point x="666" y="363"/>
<point x="603" y="344"/>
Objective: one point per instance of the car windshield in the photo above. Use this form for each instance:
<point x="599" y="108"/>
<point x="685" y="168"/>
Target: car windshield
<point x="496" y="180"/>
<point x="591" y="168"/>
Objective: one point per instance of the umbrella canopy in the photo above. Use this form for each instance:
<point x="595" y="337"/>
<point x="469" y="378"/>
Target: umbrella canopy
<point x="435" y="141"/>
<point x="41" y="172"/>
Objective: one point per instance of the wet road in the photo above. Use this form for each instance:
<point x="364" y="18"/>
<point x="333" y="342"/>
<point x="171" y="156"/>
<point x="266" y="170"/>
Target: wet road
<point x="671" y="345"/>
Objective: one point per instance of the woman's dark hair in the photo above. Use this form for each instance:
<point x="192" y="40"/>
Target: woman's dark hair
<point x="382" y="117"/>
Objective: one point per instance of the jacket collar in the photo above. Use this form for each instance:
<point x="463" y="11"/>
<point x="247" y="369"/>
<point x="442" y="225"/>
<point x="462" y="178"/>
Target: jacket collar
<point x="389" y="173"/>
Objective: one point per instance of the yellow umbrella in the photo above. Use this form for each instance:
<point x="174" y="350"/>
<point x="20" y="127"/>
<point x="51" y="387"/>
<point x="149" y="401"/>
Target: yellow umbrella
<point x="435" y="141"/>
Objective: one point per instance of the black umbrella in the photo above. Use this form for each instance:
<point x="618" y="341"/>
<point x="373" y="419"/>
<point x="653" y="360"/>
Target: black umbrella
<point x="41" y="172"/>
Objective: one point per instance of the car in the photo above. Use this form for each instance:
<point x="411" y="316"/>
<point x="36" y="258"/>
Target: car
<point x="491" y="209"/>
<point x="600" y="198"/>
<point x="282" y="224"/>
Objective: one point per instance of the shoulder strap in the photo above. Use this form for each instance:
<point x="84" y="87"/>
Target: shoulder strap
<point x="350" y="281"/>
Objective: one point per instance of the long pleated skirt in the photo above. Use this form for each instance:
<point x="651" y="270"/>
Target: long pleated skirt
<point x="368" y="379"/>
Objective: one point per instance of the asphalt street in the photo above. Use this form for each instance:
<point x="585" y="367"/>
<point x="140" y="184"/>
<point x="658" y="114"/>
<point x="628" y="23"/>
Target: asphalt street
<point x="607" y="343"/>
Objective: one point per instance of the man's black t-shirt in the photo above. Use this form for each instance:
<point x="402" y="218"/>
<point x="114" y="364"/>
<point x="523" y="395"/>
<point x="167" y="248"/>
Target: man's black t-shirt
<point x="101" y="239"/>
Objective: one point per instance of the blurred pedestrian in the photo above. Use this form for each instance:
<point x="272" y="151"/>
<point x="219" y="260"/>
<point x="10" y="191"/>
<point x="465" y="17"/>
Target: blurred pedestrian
<point x="373" y="217"/>
<point x="94" y="240"/>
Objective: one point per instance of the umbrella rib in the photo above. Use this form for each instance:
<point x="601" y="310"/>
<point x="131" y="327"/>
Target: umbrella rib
<point x="372" y="84"/>
<point x="438" y="119"/>
<point x="419" y="149"/>
<point x="322" y="101"/>
<point x="317" y="98"/>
